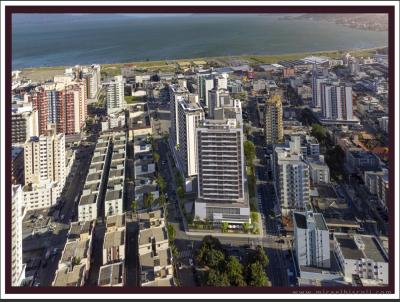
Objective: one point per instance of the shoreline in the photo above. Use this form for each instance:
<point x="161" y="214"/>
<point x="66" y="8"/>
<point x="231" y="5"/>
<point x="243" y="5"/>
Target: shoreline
<point x="251" y="59"/>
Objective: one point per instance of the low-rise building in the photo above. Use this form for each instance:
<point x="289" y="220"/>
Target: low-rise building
<point x="112" y="275"/>
<point x="362" y="256"/>
<point x="155" y="256"/>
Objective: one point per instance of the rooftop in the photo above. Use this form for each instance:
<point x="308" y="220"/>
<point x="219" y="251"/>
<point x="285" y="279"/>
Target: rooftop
<point x="88" y="199"/>
<point x="116" y="221"/>
<point x="67" y="277"/>
<point x="75" y="249"/>
<point x="113" y="195"/>
<point x="78" y="228"/>
<point x="146" y="235"/>
<point x="111" y="274"/>
<point x="116" y="238"/>
<point x="161" y="258"/>
<point x="361" y="246"/>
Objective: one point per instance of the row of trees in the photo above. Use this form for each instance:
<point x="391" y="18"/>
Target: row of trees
<point x="225" y="270"/>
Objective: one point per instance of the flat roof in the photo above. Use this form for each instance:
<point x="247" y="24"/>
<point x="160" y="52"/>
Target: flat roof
<point x="113" y="195"/>
<point x="116" y="173"/>
<point x="116" y="238"/>
<point x="78" y="228"/>
<point x="94" y="176"/>
<point x="111" y="274"/>
<point x="149" y="260"/>
<point x="158" y="233"/>
<point x="65" y="277"/>
<point x="88" y="199"/>
<point x="117" y="221"/>
<point x="77" y="249"/>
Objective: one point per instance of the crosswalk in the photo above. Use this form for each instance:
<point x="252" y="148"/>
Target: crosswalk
<point x="185" y="254"/>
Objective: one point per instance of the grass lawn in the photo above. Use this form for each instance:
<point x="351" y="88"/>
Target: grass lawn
<point x="133" y="99"/>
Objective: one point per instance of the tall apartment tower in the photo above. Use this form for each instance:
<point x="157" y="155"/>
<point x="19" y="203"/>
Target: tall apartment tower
<point x="273" y="126"/>
<point x="62" y="105"/>
<point x="201" y="85"/>
<point x="311" y="239"/>
<point x="24" y="124"/>
<point x="17" y="209"/>
<point x="217" y="97"/>
<point x="316" y="82"/>
<point x="189" y="116"/>
<point x="291" y="175"/>
<point x="44" y="158"/>
<point x="221" y="179"/>
<point x="92" y="77"/>
<point x="176" y="94"/>
<point x="115" y="95"/>
<point x="336" y="101"/>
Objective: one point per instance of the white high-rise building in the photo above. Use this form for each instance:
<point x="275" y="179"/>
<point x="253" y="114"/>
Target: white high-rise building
<point x="176" y="94"/>
<point x="189" y="115"/>
<point x="221" y="81"/>
<point x="24" y="124"/>
<point x="92" y="76"/>
<point x="44" y="159"/>
<point x="336" y="102"/>
<point x="311" y="239"/>
<point x="18" y="212"/>
<point x="218" y="98"/>
<point x="221" y="180"/>
<point x="291" y="175"/>
<point x="208" y="85"/>
<point x="115" y="95"/>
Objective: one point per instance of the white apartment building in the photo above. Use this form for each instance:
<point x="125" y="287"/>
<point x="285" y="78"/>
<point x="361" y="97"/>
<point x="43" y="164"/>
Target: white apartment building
<point x="221" y="179"/>
<point x="273" y="120"/>
<point x="155" y="256"/>
<point x="363" y="256"/>
<point x="42" y="195"/>
<point x="221" y="81"/>
<point x="218" y="98"/>
<point x="377" y="183"/>
<point x="17" y="215"/>
<point x="189" y="116"/>
<point x="292" y="176"/>
<point x="92" y="76"/>
<point x="319" y="171"/>
<point x="384" y="124"/>
<point x="176" y="94"/>
<point x="92" y="193"/>
<point x="336" y="102"/>
<point x="115" y="95"/>
<point x="24" y="124"/>
<point x="44" y="159"/>
<point x="311" y="240"/>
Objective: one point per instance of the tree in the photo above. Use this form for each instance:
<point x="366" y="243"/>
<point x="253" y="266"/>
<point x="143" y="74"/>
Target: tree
<point x="148" y="200"/>
<point x="319" y="132"/>
<point x="171" y="232"/>
<point x="246" y="227"/>
<point x="224" y="227"/>
<point x="216" y="278"/>
<point x="214" y="258"/>
<point x="234" y="270"/>
<point x="254" y="216"/>
<point x="161" y="183"/>
<point x="174" y="251"/>
<point x="156" y="157"/>
<point x="260" y="256"/>
<point x="249" y="153"/>
<point x="180" y="192"/>
<point x="257" y="275"/>
<point x="133" y="206"/>
<point x="178" y="179"/>
<point x="162" y="200"/>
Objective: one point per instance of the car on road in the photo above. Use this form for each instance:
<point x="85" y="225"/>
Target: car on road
<point x="191" y="262"/>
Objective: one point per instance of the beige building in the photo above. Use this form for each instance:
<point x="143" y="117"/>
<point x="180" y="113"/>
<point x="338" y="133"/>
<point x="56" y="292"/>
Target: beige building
<point x="44" y="158"/>
<point x="273" y="126"/>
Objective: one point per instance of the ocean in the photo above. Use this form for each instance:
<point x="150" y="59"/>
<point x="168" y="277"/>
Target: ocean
<point x="70" y="39"/>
